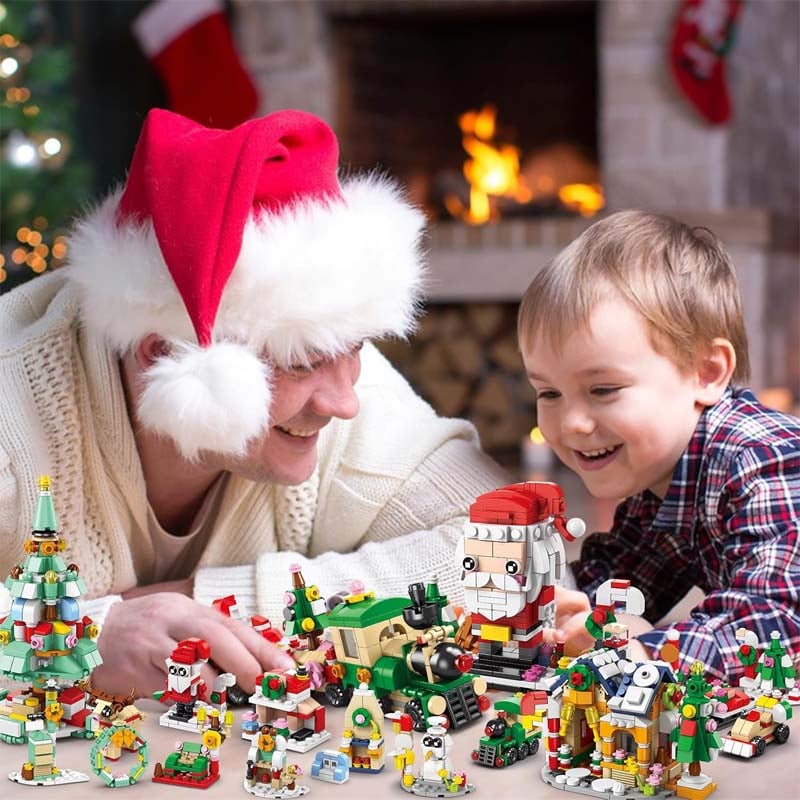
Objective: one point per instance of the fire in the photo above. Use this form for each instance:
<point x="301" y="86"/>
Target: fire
<point x="492" y="169"/>
<point x="586" y="198"/>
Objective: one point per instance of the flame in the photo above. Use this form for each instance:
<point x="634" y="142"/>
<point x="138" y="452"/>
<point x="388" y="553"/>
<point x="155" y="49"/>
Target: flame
<point x="585" y="198"/>
<point x="492" y="169"/>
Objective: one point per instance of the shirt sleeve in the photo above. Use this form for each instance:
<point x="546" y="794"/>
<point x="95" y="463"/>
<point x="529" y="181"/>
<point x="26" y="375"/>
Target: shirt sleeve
<point x="625" y="552"/>
<point x="759" y="514"/>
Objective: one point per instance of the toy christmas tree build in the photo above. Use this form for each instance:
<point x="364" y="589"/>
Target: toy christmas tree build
<point x="45" y="641"/>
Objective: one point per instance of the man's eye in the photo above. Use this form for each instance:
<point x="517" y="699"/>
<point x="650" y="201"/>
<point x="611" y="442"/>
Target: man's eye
<point x="547" y="394"/>
<point x="604" y="391"/>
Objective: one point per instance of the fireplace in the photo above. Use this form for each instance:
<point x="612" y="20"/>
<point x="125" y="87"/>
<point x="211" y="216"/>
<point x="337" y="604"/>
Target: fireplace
<point x="406" y="76"/>
<point x="582" y="90"/>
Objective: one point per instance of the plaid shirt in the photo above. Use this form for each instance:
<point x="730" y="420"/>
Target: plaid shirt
<point x="729" y="524"/>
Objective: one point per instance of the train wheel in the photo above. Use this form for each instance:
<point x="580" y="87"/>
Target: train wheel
<point x="512" y="756"/>
<point x="414" y="710"/>
<point x="386" y="704"/>
<point x="337" y="695"/>
<point x="523" y="751"/>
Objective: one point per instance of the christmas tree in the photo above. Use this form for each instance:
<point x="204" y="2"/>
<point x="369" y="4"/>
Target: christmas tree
<point x="43" y="180"/>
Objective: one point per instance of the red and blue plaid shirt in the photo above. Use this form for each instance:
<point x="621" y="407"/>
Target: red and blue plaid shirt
<point x="729" y="524"/>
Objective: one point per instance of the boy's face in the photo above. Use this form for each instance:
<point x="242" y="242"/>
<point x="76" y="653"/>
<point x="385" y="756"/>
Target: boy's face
<point x="615" y="411"/>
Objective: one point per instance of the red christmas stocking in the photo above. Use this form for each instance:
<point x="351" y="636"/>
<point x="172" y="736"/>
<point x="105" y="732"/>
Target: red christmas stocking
<point x="191" y="48"/>
<point x="703" y="37"/>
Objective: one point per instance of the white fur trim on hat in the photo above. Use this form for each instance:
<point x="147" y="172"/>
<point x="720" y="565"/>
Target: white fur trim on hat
<point x="215" y="398"/>
<point x="315" y="279"/>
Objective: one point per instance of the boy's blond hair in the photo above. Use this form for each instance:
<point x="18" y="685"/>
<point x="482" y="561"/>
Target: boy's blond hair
<point x="680" y="279"/>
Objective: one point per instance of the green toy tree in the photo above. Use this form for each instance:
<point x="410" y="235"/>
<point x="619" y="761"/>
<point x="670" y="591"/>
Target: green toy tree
<point x="695" y="739"/>
<point x="305" y="613"/>
<point x="43" y="180"/>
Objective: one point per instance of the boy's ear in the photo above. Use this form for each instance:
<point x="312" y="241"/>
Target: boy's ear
<point x="149" y="350"/>
<point x="715" y="366"/>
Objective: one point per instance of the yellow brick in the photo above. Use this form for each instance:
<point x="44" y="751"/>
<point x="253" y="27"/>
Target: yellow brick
<point x="496" y="633"/>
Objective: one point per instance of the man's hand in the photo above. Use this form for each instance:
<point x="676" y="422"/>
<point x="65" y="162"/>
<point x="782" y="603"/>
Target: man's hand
<point x="141" y="632"/>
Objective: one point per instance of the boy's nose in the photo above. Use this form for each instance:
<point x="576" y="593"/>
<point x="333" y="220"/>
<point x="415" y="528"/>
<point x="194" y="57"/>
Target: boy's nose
<point x="577" y="421"/>
<point x="335" y="395"/>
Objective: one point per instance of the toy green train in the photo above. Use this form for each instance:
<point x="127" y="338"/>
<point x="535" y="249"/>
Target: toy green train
<point x="514" y="733"/>
<point x="405" y="654"/>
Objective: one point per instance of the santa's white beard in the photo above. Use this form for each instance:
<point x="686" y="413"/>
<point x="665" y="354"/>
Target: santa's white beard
<point x="495" y="604"/>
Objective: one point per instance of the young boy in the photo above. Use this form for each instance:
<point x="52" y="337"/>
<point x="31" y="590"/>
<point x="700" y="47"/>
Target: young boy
<point x="633" y="340"/>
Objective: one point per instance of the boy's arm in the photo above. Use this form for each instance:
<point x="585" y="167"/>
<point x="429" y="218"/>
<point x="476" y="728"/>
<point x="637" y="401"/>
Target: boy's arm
<point x="625" y="553"/>
<point x="759" y="518"/>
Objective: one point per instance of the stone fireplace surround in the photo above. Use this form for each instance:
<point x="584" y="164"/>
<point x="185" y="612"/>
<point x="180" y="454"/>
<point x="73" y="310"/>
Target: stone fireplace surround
<point x="654" y="153"/>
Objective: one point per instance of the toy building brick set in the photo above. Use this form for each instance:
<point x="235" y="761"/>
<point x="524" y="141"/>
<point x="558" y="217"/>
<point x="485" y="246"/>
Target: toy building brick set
<point x="511" y="558"/>
<point x="611" y="727"/>
<point x="46" y="642"/>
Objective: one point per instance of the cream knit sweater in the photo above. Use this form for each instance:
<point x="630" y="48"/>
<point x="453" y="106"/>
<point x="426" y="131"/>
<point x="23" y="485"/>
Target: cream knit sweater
<point x="386" y="503"/>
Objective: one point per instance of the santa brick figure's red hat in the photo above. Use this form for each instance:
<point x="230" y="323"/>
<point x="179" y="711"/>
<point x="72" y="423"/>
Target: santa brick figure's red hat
<point x="244" y="252"/>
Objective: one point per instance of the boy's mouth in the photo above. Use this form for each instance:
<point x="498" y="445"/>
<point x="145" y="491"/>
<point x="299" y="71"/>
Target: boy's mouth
<point x="597" y="459"/>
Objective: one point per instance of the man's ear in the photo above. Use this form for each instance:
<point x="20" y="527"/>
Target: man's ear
<point x="149" y="350"/>
<point x="715" y="366"/>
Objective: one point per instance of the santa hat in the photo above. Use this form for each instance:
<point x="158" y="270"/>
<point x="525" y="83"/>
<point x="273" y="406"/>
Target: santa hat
<point x="242" y="250"/>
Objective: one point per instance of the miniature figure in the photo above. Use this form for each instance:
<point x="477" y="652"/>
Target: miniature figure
<point x="437" y="779"/>
<point x="695" y="740"/>
<point x="45" y="640"/>
<point x="114" y="739"/>
<point x="331" y="766"/>
<point x="514" y="733"/>
<point x="196" y="764"/>
<point x="362" y="738"/>
<point x="511" y="557"/>
<point x="187" y="689"/>
<point x="288" y="695"/>
<point x="268" y="772"/>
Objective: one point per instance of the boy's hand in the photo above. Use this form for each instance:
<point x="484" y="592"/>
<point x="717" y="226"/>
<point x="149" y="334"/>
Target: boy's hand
<point x="140" y="633"/>
<point x="572" y="608"/>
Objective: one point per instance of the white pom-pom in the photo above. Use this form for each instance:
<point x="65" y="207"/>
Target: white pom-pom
<point x="215" y="398"/>
<point x="576" y="527"/>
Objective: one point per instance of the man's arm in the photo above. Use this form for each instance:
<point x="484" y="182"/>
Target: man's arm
<point x="413" y="535"/>
<point x="759" y="518"/>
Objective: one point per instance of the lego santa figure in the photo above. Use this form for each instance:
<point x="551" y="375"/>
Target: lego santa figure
<point x="511" y="557"/>
<point x="185" y="685"/>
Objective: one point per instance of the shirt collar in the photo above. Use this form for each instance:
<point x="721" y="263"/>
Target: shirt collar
<point x="677" y="508"/>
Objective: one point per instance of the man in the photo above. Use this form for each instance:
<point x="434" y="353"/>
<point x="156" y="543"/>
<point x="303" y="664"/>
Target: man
<point x="199" y="383"/>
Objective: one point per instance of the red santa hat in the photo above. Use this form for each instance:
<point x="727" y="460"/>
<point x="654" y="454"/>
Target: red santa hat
<point x="244" y="252"/>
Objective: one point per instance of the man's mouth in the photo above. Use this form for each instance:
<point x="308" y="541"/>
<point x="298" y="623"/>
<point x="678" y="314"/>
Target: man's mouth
<point x="297" y="433"/>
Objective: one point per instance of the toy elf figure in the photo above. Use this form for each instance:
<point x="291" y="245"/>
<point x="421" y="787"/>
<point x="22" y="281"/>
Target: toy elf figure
<point x="695" y="739"/>
<point x="748" y="655"/>
<point x="775" y="669"/>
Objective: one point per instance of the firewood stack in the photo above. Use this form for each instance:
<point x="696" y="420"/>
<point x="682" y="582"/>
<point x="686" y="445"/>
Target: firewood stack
<point x="464" y="361"/>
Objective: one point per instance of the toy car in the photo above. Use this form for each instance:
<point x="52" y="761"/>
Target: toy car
<point x="759" y="726"/>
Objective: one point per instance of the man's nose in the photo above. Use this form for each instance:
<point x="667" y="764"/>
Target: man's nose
<point x="335" y="395"/>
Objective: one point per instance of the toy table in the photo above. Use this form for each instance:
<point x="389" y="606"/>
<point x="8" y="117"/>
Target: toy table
<point x="773" y="776"/>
